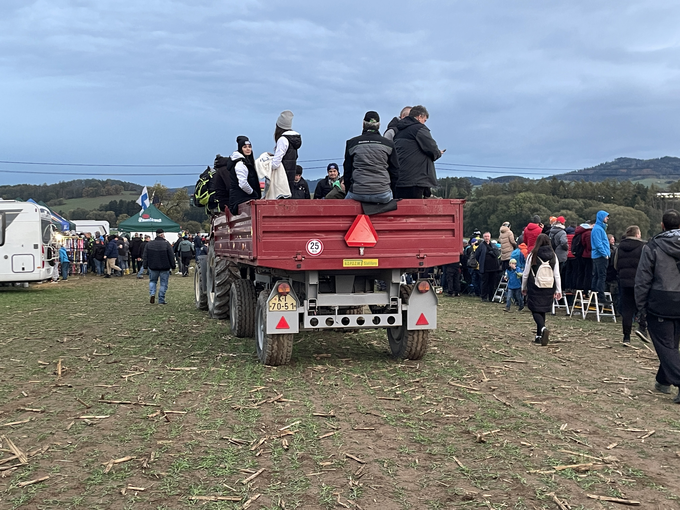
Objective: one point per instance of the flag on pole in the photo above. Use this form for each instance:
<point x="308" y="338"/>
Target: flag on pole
<point x="143" y="199"/>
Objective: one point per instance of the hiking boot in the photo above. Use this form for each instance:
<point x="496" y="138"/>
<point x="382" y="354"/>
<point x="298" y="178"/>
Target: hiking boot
<point x="506" y="309"/>
<point x="641" y="334"/>
<point x="537" y="339"/>
<point x="545" y="336"/>
<point x="152" y="299"/>
<point x="662" y="388"/>
<point x="626" y="339"/>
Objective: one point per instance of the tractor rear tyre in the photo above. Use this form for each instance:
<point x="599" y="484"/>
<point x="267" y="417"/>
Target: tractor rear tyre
<point x="273" y="350"/>
<point x="242" y="305"/>
<point x="405" y="343"/>
<point x="218" y="284"/>
<point x="200" y="285"/>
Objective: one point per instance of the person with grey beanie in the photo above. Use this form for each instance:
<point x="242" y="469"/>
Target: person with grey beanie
<point x="287" y="144"/>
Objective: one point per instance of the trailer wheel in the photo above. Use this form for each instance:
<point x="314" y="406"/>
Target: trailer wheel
<point x="200" y="277"/>
<point x="218" y="284"/>
<point x="242" y="304"/>
<point x="272" y="350"/>
<point x="404" y="343"/>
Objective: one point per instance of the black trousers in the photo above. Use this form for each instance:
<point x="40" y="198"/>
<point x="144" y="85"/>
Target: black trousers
<point x="489" y="283"/>
<point x="413" y="192"/>
<point x="452" y="271"/>
<point x="539" y="319"/>
<point x="665" y="334"/>
<point x="584" y="273"/>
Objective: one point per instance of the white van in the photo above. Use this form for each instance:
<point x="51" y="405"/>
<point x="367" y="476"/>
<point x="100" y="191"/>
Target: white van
<point x="92" y="226"/>
<point x="28" y="251"/>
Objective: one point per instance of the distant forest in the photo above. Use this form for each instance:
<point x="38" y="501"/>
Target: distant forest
<point x="78" y="188"/>
<point x="487" y="206"/>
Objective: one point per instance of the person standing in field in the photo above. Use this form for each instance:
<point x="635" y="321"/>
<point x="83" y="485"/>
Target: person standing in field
<point x="159" y="259"/>
<point x="541" y="284"/>
<point x="657" y="294"/>
<point x="508" y="244"/>
<point x="111" y="256"/>
<point x="626" y="263"/>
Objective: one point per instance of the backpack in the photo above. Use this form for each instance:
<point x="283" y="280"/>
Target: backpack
<point x="202" y="193"/>
<point x="577" y="247"/>
<point x="472" y="260"/>
<point x="544" y="278"/>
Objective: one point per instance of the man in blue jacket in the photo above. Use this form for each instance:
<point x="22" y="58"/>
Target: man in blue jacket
<point x="600" y="254"/>
<point x="65" y="262"/>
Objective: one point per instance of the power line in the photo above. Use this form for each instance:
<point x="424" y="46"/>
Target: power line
<point x="512" y="167"/>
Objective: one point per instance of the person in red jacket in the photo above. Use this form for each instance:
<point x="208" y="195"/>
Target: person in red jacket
<point x="532" y="231"/>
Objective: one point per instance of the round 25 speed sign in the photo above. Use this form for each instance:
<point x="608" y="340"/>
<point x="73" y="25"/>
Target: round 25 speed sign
<point x="314" y="247"/>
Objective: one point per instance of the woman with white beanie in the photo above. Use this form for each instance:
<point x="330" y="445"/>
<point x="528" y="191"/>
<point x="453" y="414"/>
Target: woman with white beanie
<point x="287" y="144"/>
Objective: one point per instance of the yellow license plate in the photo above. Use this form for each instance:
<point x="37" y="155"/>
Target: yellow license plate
<point x="282" y="304"/>
<point x="359" y="262"/>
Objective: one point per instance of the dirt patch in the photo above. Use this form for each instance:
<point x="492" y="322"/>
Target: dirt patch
<point x="487" y="419"/>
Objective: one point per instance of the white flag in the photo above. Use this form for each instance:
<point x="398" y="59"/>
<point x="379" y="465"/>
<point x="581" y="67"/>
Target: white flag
<point x="143" y="199"/>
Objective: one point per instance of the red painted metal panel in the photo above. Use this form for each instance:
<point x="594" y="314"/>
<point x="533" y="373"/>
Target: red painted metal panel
<point x="428" y="231"/>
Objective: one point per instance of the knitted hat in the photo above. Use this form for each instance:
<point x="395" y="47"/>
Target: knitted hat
<point x="332" y="166"/>
<point x="560" y="219"/>
<point x="512" y="261"/>
<point x="241" y="141"/>
<point x="285" y="120"/>
<point x="536" y="219"/>
<point x="160" y="231"/>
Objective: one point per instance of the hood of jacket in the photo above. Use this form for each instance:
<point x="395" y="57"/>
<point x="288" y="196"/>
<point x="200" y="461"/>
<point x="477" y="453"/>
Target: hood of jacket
<point x="582" y="228"/>
<point x="599" y="219"/>
<point x="407" y="122"/>
<point x="534" y="227"/>
<point x="236" y="155"/>
<point x="557" y="227"/>
<point x="630" y="244"/>
<point x="294" y="139"/>
<point x="669" y="243"/>
<point x="504" y="229"/>
<point x="393" y="123"/>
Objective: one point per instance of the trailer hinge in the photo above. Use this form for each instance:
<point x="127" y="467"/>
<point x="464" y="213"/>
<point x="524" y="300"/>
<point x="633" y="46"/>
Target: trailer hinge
<point x="421" y="255"/>
<point x="299" y="257"/>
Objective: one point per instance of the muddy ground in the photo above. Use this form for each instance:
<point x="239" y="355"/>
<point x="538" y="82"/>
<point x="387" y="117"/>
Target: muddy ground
<point x="117" y="403"/>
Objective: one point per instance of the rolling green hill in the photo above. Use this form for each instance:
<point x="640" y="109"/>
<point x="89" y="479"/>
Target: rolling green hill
<point x="91" y="203"/>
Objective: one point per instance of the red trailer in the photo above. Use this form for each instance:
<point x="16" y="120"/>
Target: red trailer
<point x="284" y="266"/>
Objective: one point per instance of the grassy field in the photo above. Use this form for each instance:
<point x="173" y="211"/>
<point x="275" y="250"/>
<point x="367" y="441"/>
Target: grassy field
<point x="117" y="403"/>
<point x="95" y="202"/>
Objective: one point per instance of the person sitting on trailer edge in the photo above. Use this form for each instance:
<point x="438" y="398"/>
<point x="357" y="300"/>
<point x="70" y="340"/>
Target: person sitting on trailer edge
<point x="300" y="187"/>
<point x="325" y="185"/>
<point x="245" y="185"/>
<point x="339" y="191"/>
<point x="220" y="183"/>
<point x="371" y="165"/>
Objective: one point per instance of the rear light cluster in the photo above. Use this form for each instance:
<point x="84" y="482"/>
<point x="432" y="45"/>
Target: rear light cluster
<point x="423" y="287"/>
<point x="283" y="288"/>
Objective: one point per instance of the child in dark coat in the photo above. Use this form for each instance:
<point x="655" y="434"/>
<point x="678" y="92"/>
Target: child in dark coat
<point x="514" y="277"/>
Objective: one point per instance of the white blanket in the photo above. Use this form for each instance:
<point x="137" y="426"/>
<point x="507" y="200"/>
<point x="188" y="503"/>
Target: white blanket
<point x="276" y="181"/>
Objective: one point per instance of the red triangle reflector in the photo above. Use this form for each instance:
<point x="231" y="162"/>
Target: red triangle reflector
<point x="422" y="321"/>
<point x="283" y="324"/>
<point x="361" y="233"/>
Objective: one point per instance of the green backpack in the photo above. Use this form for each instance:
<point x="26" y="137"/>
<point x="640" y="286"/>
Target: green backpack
<point x="202" y="193"/>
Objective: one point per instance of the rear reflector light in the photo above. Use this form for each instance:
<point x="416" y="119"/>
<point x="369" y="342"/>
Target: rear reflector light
<point x="283" y="288"/>
<point x="423" y="287"/>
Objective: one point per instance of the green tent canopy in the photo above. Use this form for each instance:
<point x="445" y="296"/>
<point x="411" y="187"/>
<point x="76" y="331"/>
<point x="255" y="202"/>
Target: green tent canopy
<point x="148" y="220"/>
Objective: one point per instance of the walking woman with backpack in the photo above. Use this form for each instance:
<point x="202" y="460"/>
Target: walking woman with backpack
<point x="541" y="284"/>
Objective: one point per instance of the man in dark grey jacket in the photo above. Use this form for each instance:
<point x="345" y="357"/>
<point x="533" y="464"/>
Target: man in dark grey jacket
<point x="159" y="259"/>
<point x="371" y="165"/>
<point x="657" y="294"/>
<point x="417" y="153"/>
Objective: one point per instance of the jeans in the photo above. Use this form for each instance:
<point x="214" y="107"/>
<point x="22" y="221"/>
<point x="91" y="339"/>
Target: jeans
<point x="99" y="266"/>
<point x="142" y="270"/>
<point x="599" y="276"/>
<point x="515" y="294"/>
<point x="153" y="279"/>
<point x="65" y="266"/>
<point x="122" y="262"/>
<point x="376" y="198"/>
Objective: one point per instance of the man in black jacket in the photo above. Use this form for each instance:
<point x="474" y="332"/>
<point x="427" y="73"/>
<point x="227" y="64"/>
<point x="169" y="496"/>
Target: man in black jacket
<point x="136" y="253"/>
<point x="326" y="184"/>
<point x="417" y="153"/>
<point x="159" y="259"/>
<point x="657" y="294"/>
<point x="140" y="263"/>
<point x="489" y="267"/>
<point x="371" y="165"/>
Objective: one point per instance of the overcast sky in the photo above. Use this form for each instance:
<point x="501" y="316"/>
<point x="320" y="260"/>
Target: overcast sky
<point x="560" y="84"/>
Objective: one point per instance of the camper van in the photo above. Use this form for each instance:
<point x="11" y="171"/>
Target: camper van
<point x="27" y="248"/>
